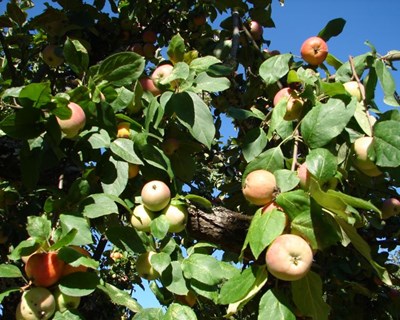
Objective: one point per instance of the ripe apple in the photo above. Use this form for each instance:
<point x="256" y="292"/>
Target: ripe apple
<point x="294" y="105"/>
<point x="360" y="157"/>
<point x="155" y="195"/>
<point x="256" y="30"/>
<point x="75" y="123"/>
<point x="189" y="300"/>
<point x="36" y="304"/>
<point x="68" y="269"/>
<point x="177" y="217"/>
<point x="141" y="218"/>
<point x="123" y="130"/>
<point x="160" y="73"/>
<point x="148" y="85"/>
<point x="144" y="268"/>
<point x="133" y="170"/>
<point x="289" y="257"/>
<point x="390" y="208"/>
<point x="65" y="302"/>
<point x="353" y="89"/>
<point x="304" y="176"/>
<point x="52" y="55"/>
<point x="149" y="36"/>
<point x="44" y="268"/>
<point x="259" y="187"/>
<point x="115" y="255"/>
<point x="314" y="50"/>
<point x="170" y="146"/>
<point x="149" y="50"/>
<point x="199" y="20"/>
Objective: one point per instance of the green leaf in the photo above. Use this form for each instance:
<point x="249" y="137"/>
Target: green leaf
<point x="6" y="293"/>
<point x="204" y="82"/>
<point x="286" y="179"/>
<point x="176" y="49"/>
<point x="241" y="114"/>
<point x="120" y="69"/>
<point x="270" y="160"/>
<point x="198" y="200"/>
<point x="67" y="315"/>
<point x="274" y="305"/>
<point x="24" y="248"/>
<point x="202" y="64"/>
<point x="179" y="72"/>
<point x="387" y="143"/>
<point x="114" y="176"/>
<point x="177" y="311"/>
<point x="149" y="314"/>
<point x="70" y="222"/>
<point x="172" y="278"/>
<point x="308" y="296"/>
<point x="322" y="164"/>
<point x="120" y="297"/>
<point x="159" y="227"/>
<point x="333" y="61"/>
<point x="275" y="68"/>
<point x="64" y="240"/>
<point x="76" y="56"/>
<point x="326" y="121"/>
<point x="75" y="258"/>
<point x="362" y="119"/>
<point x="125" y="238"/>
<point x="79" y="284"/>
<point x="202" y="268"/>
<point x="23" y="124"/>
<point x="332" y="29"/>
<point x="124" y="149"/>
<point x="294" y="202"/>
<point x="9" y="271"/>
<point x="387" y="83"/>
<point x="278" y="124"/>
<point x="98" y="139"/>
<point x="254" y="143"/>
<point x="40" y="93"/>
<point x="303" y="224"/>
<point x="39" y="227"/>
<point x="345" y="72"/>
<point x="333" y="89"/>
<point x="98" y="205"/>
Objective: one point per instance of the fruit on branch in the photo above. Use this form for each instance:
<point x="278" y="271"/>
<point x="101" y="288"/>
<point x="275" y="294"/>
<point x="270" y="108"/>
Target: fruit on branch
<point x="177" y="217"/>
<point x="52" y="55"/>
<point x="256" y="30"/>
<point x="390" y="208"/>
<point x="141" y="218"/>
<point x="259" y="187"/>
<point x="149" y="50"/>
<point x="115" y="255"/>
<point x="133" y="170"/>
<point x="294" y="105"/>
<point x="148" y="85"/>
<point x="65" y="302"/>
<point x="123" y="130"/>
<point x="289" y="257"/>
<point x="314" y="50"/>
<point x="44" y="268"/>
<point x="189" y="300"/>
<point x="36" y="304"/>
<point x="137" y="48"/>
<point x="68" y="269"/>
<point x="199" y="20"/>
<point x="149" y="36"/>
<point x="160" y="73"/>
<point x="170" y="146"/>
<point x="353" y="89"/>
<point x="304" y="176"/>
<point x="360" y="157"/>
<point x="155" y="195"/>
<point x="144" y="268"/>
<point x="75" y="123"/>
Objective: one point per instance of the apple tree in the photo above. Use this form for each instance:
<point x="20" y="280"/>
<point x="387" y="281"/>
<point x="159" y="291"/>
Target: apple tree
<point x="116" y="172"/>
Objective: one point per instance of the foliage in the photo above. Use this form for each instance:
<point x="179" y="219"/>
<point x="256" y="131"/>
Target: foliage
<point x="57" y="192"/>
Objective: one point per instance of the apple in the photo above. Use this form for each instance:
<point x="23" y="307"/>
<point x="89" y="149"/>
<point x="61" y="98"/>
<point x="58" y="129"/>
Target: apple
<point x="294" y="105"/>
<point x="137" y="48"/>
<point x="353" y="89"/>
<point x="177" y="217"/>
<point x="141" y="218"/>
<point x="259" y="187"/>
<point x="360" y="157"/>
<point x="36" y="304"/>
<point x="148" y="85"/>
<point x="68" y="269"/>
<point x="149" y="50"/>
<point x="289" y="257"/>
<point x="65" y="302"/>
<point x="390" y="208"/>
<point x="52" y="55"/>
<point x="149" y="36"/>
<point x="44" y="268"/>
<point x="282" y="93"/>
<point x="160" y="73"/>
<point x="115" y="255"/>
<point x="133" y="170"/>
<point x="144" y="268"/>
<point x="170" y="146"/>
<point x="271" y="206"/>
<point x="155" y="195"/>
<point x="314" y="50"/>
<point x="256" y="30"/>
<point x="123" y="130"/>
<point x="304" y="176"/>
<point x="199" y="20"/>
<point x="75" y="123"/>
<point x="189" y="300"/>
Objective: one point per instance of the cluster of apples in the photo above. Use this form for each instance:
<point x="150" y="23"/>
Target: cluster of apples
<point x="44" y="298"/>
<point x="146" y="49"/>
<point x="289" y="257"/>
<point x="156" y="201"/>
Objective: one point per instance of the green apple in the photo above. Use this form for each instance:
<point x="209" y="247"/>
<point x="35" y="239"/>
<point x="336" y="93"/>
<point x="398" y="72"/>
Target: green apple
<point x="177" y="217"/>
<point x="353" y="89"/>
<point x="65" y="302"/>
<point x="36" y="304"/>
<point x="144" y="268"/>
<point x="141" y="218"/>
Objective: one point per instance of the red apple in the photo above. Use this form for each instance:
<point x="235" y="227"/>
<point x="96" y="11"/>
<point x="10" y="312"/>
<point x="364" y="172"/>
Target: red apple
<point x="304" y="176"/>
<point x="44" y="268"/>
<point x="390" y="208"/>
<point x="289" y="257"/>
<point x="68" y="269"/>
<point x="149" y="36"/>
<point x="259" y="187"/>
<point x="155" y="195"/>
<point x="148" y="85"/>
<point x="160" y="73"/>
<point x="256" y="30"/>
<point x="314" y="50"/>
<point x="75" y="123"/>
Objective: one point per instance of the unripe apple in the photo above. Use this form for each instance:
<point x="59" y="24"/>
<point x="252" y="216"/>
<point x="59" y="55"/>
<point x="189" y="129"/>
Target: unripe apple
<point x="390" y="208"/>
<point x="68" y="269"/>
<point x="294" y="105"/>
<point x="177" y="217"/>
<point x="360" y="157"/>
<point x="133" y="170"/>
<point x="65" y="302"/>
<point x="123" y="130"/>
<point x="144" y="268"/>
<point x="44" y="268"/>
<point x="314" y="50"/>
<point x="36" y="304"/>
<point x="259" y="187"/>
<point x="155" y="195"/>
<point x="148" y="85"/>
<point x="170" y="146"/>
<point x="353" y="89"/>
<point x="75" y="123"/>
<point x="160" y="73"/>
<point x="52" y="55"/>
<point x="149" y="36"/>
<point x="289" y="257"/>
<point x="141" y="218"/>
<point x="256" y="30"/>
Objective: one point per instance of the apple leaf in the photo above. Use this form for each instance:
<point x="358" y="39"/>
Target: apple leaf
<point x="79" y="284"/>
<point x="333" y="89"/>
<point x="114" y="176"/>
<point x="9" y="271"/>
<point x="275" y="306"/>
<point x="286" y="179"/>
<point x="275" y="68"/>
<point x="98" y="205"/>
<point x="70" y="222"/>
<point x="124" y="149"/>
<point x="39" y="93"/>
<point x="278" y="124"/>
<point x="387" y="143"/>
<point x="76" y="56"/>
<point x="387" y="83"/>
<point x="345" y="72"/>
<point x="172" y="277"/>
<point x="65" y="240"/>
<point x="125" y="238"/>
<point x="254" y="143"/>
<point x="98" y="138"/>
<point x="120" y="297"/>
<point x="303" y="224"/>
<point x="326" y="121"/>
<point x="67" y="314"/>
<point x="39" y="227"/>
<point x="332" y="29"/>
<point x="177" y="311"/>
<point x="202" y="64"/>
<point x="159" y="227"/>
<point x="362" y="119"/>
<point x="203" y="268"/>
<point x="307" y="295"/>
<point x="149" y="314"/>
<point x="322" y="164"/>
<point x="6" y="293"/>
<point x="270" y="160"/>
<point x="294" y="202"/>
<point x="211" y="84"/>
<point x="176" y="49"/>
<point x="180" y="71"/>
<point x="24" y="248"/>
